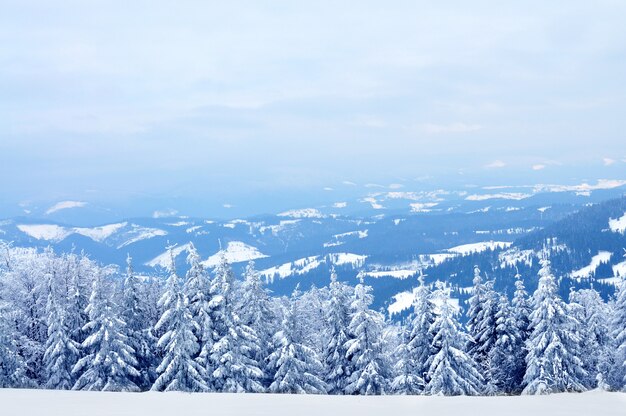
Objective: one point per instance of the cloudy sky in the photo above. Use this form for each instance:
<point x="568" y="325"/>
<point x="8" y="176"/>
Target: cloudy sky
<point x="159" y="97"/>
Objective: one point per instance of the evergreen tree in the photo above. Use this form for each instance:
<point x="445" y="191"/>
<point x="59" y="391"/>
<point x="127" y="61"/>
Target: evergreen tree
<point x="482" y="321"/>
<point x="178" y="371"/>
<point x="451" y="371"/>
<point x="421" y="336"/>
<point x="338" y="366"/>
<point x="140" y="338"/>
<point x="12" y="366"/>
<point x="61" y="351"/>
<point x="507" y="357"/>
<point x="235" y="344"/>
<point x="407" y="369"/>
<point x="553" y="361"/>
<point x="109" y="362"/>
<point x="364" y="349"/>
<point x="197" y="289"/>
<point x="256" y="312"/>
<point x="617" y="375"/>
<point x="295" y="366"/>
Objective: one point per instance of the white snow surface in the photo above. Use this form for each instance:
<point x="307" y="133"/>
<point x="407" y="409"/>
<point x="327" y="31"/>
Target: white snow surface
<point x="235" y="252"/>
<point x="504" y="195"/>
<point x="56" y="233"/>
<point x="601" y="257"/>
<point x="619" y="269"/>
<point x="618" y="225"/>
<point x="25" y="402"/>
<point x="302" y="213"/>
<point x="465" y="249"/>
<point x="138" y="233"/>
<point x="398" y="274"/>
<point x="65" y="205"/>
<point x="404" y="300"/>
<point x="164" y="259"/>
<point x="305" y="265"/>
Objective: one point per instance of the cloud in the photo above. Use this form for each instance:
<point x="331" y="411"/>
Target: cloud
<point x="608" y="161"/>
<point x="539" y="166"/>
<point x="349" y="183"/>
<point x="450" y="128"/>
<point x="396" y="186"/>
<point x="328" y="188"/>
<point x="496" y="164"/>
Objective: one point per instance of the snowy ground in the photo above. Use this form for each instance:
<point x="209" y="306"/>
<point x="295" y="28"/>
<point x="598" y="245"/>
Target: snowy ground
<point x="64" y="403"/>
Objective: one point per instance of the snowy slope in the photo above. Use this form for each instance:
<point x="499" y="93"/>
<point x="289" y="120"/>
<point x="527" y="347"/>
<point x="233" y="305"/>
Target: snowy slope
<point x="601" y="257"/>
<point x="479" y="247"/>
<point x="72" y="403"/>
<point x="618" y="225"/>
<point x="235" y="252"/>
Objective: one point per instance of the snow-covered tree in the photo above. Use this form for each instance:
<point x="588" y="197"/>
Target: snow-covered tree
<point x="138" y="328"/>
<point x="507" y="357"/>
<point x="421" y="336"/>
<point x="236" y="346"/>
<point x="521" y="308"/>
<point x="451" y="371"/>
<point x="178" y="370"/>
<point x="294" y="365"/>
<point x="12" y="366"/>
<point x="553" y="362"/>
<point x="407" y="369"/>
<point x="197" y="289"/>
<point x="109" y="362"/>
<point x="481" y="321"/>
<point x="256" y="311"/>
<point x="61" y="352"/>
<point x="370" y="372"/>
<point x="617" y="374"/>
<point x="338" y="366"/>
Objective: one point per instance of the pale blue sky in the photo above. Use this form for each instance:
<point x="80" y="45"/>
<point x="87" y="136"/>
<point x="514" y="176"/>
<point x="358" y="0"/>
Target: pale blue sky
<point x="148" y="97"/>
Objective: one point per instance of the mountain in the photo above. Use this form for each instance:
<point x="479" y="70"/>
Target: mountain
<point x="502" y="233"/>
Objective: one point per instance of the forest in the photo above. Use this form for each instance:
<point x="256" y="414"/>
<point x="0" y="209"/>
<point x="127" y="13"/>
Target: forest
<point x="69" y="323"/>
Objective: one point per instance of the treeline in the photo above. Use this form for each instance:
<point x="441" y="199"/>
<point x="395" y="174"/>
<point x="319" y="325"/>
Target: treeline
<point x="68" y="323"/>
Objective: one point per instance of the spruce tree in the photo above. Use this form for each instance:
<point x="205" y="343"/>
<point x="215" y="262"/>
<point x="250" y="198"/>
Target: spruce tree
<point x="369" y="372"/>
<point x="507" y="358"/>
<point x="109" y="362"/>
<point x="451" y="371"/>
<point x="338" y="366"/>
<point x="178" y="371"/>
<point x="61" y="351"/>
<point x="294" y="365"/>
<point x="553" y="362"/>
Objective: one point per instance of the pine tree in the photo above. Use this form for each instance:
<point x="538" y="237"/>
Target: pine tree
<point x="140" y="339"/>
<point x="178" y="371"/>
<point x="507" y="356"/>
<point x="109" y="362"/>
<point x="421" y="336"/>
<point x="235" y="344"/>
<point x="482" y="321"/>
<point x="12" y="367"/>
<point x="451" y="371"/>
<point x="553" y="361"/>
<point x="521" y="308"/>
<point x="407" y="369"/>
<point x="197" y="289"/>
<point x="256" y="312"/>
<point x="61" y="351"/>
<point x="370" y="372"/>
<point x="617" y="374"/>
<point x="337" y="364"/>
<point x="295" y="366"/>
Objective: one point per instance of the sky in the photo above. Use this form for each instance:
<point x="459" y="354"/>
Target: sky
<point x="119" y="99"/>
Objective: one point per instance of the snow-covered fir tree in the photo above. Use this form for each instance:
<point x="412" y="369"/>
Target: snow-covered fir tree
<point x="481" y="322"/>
<point x="257" y="312"/>
<point x="553" y="362"/>
<point x="421" y="336"/>
<point x="108" y="362"/>
<point x="338" y="366"/>
<point x="617" y="372"/>
<point x="178" y="370"/>
<point x="197" y="289"/>
<point x="407" y="378"/>
<point x="236" y="346"/>
<point x="13" y="371"/>
<point x="451" y="371"/>
<point x="138" y="329"/>
<point x="370" y="372"/>
<point x="62" y="351"/>
<point x="507" y="357"/>
<point x="295" y="366"/>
